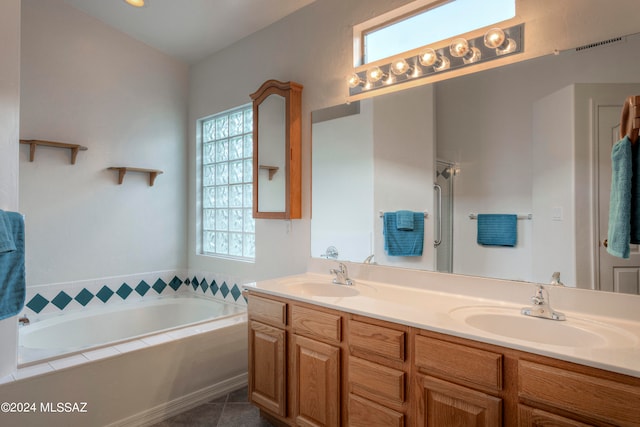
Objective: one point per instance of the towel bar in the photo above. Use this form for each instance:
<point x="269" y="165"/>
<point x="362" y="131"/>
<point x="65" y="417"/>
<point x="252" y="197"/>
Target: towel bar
<point x="521" y="216"/>
<point x="381" y="214"/>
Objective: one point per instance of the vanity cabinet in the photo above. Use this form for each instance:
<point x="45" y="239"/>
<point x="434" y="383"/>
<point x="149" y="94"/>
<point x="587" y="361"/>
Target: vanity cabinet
<point x="313" y="366"/>
<point x="267" y="355"/>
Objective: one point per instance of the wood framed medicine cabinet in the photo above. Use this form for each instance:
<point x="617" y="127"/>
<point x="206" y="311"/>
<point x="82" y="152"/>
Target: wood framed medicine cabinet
<point x="277" y="132"/>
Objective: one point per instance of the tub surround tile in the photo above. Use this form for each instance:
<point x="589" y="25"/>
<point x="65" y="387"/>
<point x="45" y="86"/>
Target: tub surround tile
<point x="130" y="346"/>
<point x="101" y="353"/>
<point x="32" y="371"/>
<point x="157" y="339"/>
<point x="67" y="362"/>
<point x="7" y="379"/>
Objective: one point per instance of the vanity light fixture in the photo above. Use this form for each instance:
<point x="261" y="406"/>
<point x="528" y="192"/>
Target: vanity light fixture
<point x="135" y="3"/>
<point x="400" y="67"/>
<point x="460" y="49"/>
<point x="496" y="39"/>
<point x="375" y="74"/>
<point x="355" y="80"/>
<point x="462" y="52"/>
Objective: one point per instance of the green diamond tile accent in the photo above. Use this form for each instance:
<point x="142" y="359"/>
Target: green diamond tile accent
<point x="214" y="288"/>
<point x="61" y="300"/>
<point x="204" y="285"/>
<point x="187" y="281"/>
<point x="124" y="290"/>
<point x="37" y="303"/>
<point x="83" y="297"/>
<point x="104" y="294"/>
<point x="142" y="288"/>
<point x="236" y="292"/>
<point x="195" y="283"/>
<point x="159" y="286"/>
<point x="224" y="289"/>
<point x="175" y="283"/>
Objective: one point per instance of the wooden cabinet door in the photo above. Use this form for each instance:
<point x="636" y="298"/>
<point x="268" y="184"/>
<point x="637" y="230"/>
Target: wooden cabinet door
<point x="445" y="404"/>
<point x="315" y="374"/>
<point x="531" y="417"/>
<point x="267" y="367"/>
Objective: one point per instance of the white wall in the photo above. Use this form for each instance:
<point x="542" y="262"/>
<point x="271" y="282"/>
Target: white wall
<point x="312" y="47"/>
<point x="86" y="83"/>
<point x="9" y="123"/>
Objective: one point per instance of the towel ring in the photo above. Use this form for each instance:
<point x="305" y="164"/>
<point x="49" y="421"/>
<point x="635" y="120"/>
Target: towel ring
<point x="630" y="119"/>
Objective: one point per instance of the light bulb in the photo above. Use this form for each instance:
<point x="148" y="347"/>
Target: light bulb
<point x="496" y="39"/>
<point x="135" y="3"/>
<point x="472" y="56"/>
<point x="442" y="64"/>
<point x="375" y="74"/>
<point x="428" y="57"/>
<point x="354" y="80"/>
<point x="459" y="48"/>
<point x="400" y="67"/>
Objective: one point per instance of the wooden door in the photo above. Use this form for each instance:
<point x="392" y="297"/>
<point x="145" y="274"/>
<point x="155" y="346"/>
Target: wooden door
<point x="440" y="403"/>
<point x="315" y="373"/>
<point x="267" y="367"/>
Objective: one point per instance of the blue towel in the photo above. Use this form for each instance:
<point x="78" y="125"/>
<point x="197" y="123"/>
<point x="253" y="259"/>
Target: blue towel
<point x="404" y="220"/>
<point x="403" y="243"/>
<point x="12" y="273"/>
<point x="635" y="194"/>
<point x="619" y="230"/>
<point x="497" y="229"/>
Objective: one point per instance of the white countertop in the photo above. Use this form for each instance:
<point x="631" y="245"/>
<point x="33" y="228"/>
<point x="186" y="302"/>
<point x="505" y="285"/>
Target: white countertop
<point x="422" y="303"/>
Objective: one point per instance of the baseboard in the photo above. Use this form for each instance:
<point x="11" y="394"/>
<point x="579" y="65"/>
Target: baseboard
<point x="167" y="410"/>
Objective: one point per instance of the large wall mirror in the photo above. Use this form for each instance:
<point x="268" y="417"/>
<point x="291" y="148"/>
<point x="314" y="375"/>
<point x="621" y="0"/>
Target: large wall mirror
<point x="276" y="145"/>
<point x="532" y="138"/>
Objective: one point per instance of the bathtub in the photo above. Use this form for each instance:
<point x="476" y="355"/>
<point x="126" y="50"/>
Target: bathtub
<point x="132" y="363"/>
<point x="62" y="334"/>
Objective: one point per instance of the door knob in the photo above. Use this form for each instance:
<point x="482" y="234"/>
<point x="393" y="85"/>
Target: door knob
<point x="606" y="243"/>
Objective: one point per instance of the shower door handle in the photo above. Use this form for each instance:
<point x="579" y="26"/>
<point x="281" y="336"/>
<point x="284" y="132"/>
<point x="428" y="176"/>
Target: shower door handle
<point x="438" y="241"/>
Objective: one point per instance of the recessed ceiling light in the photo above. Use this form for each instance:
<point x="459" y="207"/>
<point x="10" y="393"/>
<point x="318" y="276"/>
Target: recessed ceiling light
<point x="135" y="3"/>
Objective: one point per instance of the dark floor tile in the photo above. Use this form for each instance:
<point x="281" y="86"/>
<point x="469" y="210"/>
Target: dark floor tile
<point x="242" y="415"/>
<point x="240" y="395"/>
<point x="207" y="415"/>
<point x="222" y="399"/>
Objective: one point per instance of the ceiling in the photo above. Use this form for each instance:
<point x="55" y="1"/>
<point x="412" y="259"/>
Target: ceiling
<point x="189" y="30"/>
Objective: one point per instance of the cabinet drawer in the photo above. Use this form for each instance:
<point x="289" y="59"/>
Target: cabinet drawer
<point x="363" y="413"/>
<point x="530" y="417"/>
<point x="316" y="324"/>
<point x="376" y="381"/>
<point x="267" y="310"/>
<point x="365" y="338"/>
<point x="474" y="366"/>
<point x="592" y="397"/>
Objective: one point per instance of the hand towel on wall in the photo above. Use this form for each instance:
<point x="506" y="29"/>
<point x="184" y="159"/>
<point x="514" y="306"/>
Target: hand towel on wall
<point x="497" y="229"/>
<point x="403" y="242"/>
<point x="635" y="193"/>
<point x="404" y="220"/>
<point x="619" y="229"/>
<point x="12" y="273"/>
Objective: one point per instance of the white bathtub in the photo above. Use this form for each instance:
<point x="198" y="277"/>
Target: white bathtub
<point x="77" y="331"/>
<point x="132" y="364"/>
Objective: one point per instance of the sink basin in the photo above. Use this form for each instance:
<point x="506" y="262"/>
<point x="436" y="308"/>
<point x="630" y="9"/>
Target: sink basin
<point x="574" y="332"/>
<point x="322" y="290"/>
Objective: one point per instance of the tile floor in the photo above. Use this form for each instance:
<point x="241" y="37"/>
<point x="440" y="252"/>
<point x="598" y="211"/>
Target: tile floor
<point x="232" y="410"/>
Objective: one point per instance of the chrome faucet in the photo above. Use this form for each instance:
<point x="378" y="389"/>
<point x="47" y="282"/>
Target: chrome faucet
<point x="24" y="320"/>
<point x="342" y="275"/>
<point x="541" y="307"/>
<point x="369" y="259"/>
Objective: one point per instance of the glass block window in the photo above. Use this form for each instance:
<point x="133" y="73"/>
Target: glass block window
<point x="228" y="227"/>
